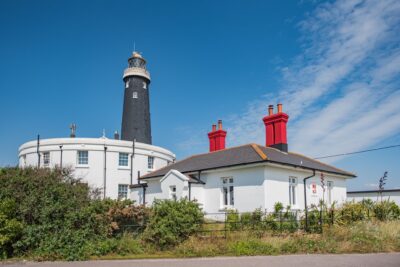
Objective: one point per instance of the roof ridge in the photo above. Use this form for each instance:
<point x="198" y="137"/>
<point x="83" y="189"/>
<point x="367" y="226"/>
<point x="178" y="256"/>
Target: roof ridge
<point x="320" y="162"/>
<point x="193" y="156"/>
<point x="259" y="151"/>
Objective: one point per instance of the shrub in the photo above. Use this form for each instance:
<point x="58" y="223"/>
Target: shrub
<point x="232" y="220"/>
<point x="10" y="228"/>
<point x="386" y="210"/>
<point x="61" y="218"/>
<point x="172" y="222"/>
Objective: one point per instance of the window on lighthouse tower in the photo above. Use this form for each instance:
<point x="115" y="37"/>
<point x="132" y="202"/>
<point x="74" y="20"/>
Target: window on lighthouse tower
<point x="144" y="85"/>
<point x="134" y="95"/>
<point x="126" y="84"/>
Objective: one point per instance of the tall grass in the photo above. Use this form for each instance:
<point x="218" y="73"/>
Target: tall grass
<point x="360" y="237"/>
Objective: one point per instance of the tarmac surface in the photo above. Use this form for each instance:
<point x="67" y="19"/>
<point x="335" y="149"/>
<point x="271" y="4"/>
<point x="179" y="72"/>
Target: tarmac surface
<point x="311" y="260"/>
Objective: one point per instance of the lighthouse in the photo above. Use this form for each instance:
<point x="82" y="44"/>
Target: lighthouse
<point x="136" y="111"/>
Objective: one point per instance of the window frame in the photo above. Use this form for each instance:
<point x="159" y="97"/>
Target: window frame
<point x="46" y="159"/>
<point x="150" y="162"/>
<point x="135" y="95"/>
<point x="329" y="188"/>
<point x="172" y="193"/>
<point x="122" y="194"/>
<point x="293" y="183"/>
<point x="123" y="160"/>
<point x="79" y="157"/>
<point x="227" y="192"/>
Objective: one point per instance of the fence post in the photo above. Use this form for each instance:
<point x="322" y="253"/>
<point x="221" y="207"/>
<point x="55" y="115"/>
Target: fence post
<point x="320" y="219"/>
<point x="225" y="225"/>
<point x="332" y="217"/>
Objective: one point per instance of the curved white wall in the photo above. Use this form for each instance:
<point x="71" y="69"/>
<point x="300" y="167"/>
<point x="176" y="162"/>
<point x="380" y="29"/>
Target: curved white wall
<point x="93" y="172"/>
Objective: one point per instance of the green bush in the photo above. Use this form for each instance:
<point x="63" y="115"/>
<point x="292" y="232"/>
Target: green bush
<point x="62" y="217"/>
<point x="172" y="222"/>
<point x="386" y="210"/>
<point x="232" y="220"/>
<point x="10" y="228"/>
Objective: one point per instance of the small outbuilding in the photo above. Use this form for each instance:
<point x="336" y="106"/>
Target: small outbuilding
<point x="375" y="195"/>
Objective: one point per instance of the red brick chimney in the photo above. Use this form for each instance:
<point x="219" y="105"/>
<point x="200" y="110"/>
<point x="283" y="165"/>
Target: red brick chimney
<point x="275" y="128"/>
<point x="217" y="137"/>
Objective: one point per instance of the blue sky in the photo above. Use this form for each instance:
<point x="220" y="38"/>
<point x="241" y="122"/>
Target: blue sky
<point x="334" y="66"/>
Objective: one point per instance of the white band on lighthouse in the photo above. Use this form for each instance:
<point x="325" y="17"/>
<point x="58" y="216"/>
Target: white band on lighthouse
<point x="133" y="71"/>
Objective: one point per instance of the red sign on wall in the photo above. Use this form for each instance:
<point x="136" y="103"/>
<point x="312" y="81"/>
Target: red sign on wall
<point x="314" y="188"/>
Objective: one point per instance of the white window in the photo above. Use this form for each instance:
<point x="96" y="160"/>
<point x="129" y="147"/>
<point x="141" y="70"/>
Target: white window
<point x="292" y="191"/>
<point x="83" y="157"/>
<point x="172" y="192"/>
<point x="46" y="159"/>
<point x="134" y="95"/>
<point x="122" y="191"/>
<point x="123" y="159"/>
<point x="330" y="188"/>
<point x="144" y="85"/>
<point x="150" y="162"/>
<point x="228" y="197"/>
<point x="127" y="84"/>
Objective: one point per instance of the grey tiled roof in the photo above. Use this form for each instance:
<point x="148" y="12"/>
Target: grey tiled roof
<point x="241" y="155"/>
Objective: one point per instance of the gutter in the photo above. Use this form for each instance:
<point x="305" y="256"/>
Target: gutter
<point x="262" y="161"/>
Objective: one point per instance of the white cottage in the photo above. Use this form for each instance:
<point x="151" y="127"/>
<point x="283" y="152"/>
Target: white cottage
<point x="246" y="177"/>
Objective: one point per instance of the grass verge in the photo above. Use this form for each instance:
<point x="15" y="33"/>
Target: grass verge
<point x="361" y="237"/>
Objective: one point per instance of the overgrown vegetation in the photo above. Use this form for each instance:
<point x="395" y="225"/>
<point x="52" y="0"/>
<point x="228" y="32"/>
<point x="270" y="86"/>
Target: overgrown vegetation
<point x="48" y="215"/>
<point x="172" y="222"/>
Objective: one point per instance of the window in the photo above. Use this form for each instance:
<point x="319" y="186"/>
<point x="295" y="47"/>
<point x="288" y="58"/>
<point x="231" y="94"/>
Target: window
<point x="46" y="159"/>
<point x="144" y="85"/>
<point x="122" y="191"/>
<point x="150" y="162"/>
<point x="330" y="187"/>
<point x="83" y="157"/>
<point x="292" y="191"/>
<point x="127" y="84"/>
<point x="172" y="192"/>
<point x="134" y="95"/>
<point x="228" y="197"/>
<point x="123" y="159"/>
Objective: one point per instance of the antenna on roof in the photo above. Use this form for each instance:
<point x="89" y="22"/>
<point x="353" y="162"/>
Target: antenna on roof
<point x="134" y="46"/>
<point x="73" y="130"/>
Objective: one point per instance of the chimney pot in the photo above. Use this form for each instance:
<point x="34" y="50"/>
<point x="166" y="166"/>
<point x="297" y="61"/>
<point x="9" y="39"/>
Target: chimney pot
<point x="219" y="124"/>
<point x="116" y="135"/>
<point x="270" y="110"/>
<point x="214" y="128"/>
<point x="279" y="108"/>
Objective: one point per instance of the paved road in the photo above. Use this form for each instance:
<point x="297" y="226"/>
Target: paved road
<point x="345" y="260"/>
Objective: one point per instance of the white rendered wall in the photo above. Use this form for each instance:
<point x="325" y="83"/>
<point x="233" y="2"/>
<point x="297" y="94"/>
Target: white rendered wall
<point x="277" y="187"/>
<point x="392" y="196"/>
<point x="93" y="172"/>
<point x="255" y="186"/>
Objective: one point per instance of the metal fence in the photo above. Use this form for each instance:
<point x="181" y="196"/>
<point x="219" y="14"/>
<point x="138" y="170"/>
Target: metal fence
<point x="221" y="224"/>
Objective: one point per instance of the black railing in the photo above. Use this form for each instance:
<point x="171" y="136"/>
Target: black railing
<point x="223" y="223"/>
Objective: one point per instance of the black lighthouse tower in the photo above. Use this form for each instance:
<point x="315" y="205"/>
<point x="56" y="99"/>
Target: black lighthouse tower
<point x="136" y="112"/>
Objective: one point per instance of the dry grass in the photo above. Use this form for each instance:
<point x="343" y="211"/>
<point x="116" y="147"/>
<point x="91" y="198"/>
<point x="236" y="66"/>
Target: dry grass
<point x="362" y="237"/>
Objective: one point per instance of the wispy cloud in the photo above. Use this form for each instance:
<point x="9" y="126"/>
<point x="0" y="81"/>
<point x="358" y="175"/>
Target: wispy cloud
<point x="345" y="81"/>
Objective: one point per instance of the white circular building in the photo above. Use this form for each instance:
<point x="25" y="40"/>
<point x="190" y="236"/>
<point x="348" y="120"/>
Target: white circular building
<point x="110" y="165"/>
